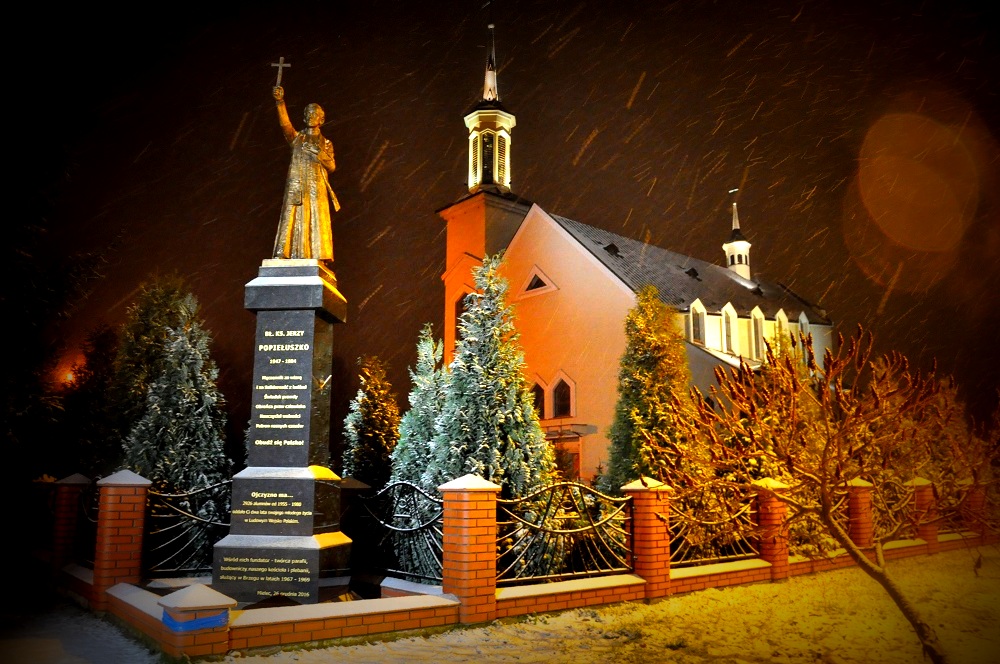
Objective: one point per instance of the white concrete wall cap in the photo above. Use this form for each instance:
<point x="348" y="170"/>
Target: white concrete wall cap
<point x="769" y="483"/>
<point x="197" y="596"/>
<point x="646" y="484"/>
<point x="124" y="478"/>
<point x="469" y="482"/>
<point x="860" y="483"/>
<point x="75" y="478"/>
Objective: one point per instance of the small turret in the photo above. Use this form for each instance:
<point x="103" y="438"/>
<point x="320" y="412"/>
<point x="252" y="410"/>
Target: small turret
<point x="737" y="249"/>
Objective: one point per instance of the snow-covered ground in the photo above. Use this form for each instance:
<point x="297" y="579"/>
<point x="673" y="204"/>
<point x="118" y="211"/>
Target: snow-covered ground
<point x="839" y="616"/>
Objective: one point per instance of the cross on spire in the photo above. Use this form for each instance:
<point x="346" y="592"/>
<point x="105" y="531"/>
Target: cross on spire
<point x="281" y="65"/>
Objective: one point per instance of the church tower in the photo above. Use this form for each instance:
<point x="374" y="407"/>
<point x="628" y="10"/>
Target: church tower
<point x="737" y="249"/>
<point x="485" y="219"/>
<point x="489" y="126"/>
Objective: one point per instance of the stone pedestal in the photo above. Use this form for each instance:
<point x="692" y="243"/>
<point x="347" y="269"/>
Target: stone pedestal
<point x="285" y="530"/>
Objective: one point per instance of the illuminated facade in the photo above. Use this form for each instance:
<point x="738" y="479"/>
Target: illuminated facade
<point x="573" y="284"/>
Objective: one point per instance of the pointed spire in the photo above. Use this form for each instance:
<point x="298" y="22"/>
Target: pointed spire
<point x="737" y="248"/>
<point x="490" y="91"/>
<point x="489" y="125"/>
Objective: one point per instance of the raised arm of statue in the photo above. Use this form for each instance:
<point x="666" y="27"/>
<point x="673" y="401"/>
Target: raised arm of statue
<point x="305" y="230"/>
<point x="286" y="124"/>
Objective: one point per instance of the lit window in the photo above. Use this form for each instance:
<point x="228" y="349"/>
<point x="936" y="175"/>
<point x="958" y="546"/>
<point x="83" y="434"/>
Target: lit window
<point x="727" y="324"/>
<point x="698" y="326"/>
<point x="758" y="337"/>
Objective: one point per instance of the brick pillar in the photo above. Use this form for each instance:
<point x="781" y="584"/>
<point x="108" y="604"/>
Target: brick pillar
<point x="66" y="514"/>
<point x="470" y="547"/>
<point x="651" y="534"/>
<point x="859" y="513"/>
<point x="120" y="521"/>
<point x="925" y="512"/>
<point x="772" y="521"/>
<point x="196" y="621"/>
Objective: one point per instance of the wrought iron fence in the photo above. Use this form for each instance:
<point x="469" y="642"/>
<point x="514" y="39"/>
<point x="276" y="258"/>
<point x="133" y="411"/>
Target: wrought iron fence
<point x="182" y="529"/>
<point x="85" y="540"/>
<point x="695" y="541"/>
<point x="562" y="531"/>
<point x="397" y="532"/>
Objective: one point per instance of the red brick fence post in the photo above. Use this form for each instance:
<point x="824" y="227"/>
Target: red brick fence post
<point x="469" y="559"/>
<point x="925" y="512"/>
<point x="66" y="515"/>
<point x="651" y="534"/>
<point x="859" y="513"/>
<point x="772" y="520"/>
<point x="120" y="520"/>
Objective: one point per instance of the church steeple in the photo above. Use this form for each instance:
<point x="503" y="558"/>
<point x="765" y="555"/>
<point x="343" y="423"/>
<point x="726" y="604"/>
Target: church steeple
<point x="737" y="249"/>
<point x="489" y="125"/>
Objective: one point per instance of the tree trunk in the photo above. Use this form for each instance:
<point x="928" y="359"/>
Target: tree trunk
<point x="926" y="634"/>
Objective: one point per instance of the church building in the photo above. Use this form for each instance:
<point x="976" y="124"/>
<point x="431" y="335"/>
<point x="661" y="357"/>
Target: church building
<point x="573" y="284"/>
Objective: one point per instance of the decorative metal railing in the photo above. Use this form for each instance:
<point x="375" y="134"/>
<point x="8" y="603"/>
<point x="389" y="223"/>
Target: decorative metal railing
<point x="85" y="539"/>
<point x="182" y="529"/>
<point x="563" y="531"/>
<point x="398" y="532"/>
<point x="695" y="541"/>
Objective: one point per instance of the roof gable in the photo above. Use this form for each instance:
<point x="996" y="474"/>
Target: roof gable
<point x="682" y="279"/>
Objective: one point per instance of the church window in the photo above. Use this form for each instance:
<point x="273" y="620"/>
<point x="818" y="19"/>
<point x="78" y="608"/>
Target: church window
<point x="538" y="397"/>
<point x="727" y="325"/>
<point x="475" y="162"/>
<point x="501" y="159"/>
<point x="732" y="259"/>
<point x="758" y="337"/>
<point x="698" y="327"/>
<point x="459" y="310"/>
<point x="488" y="140"/>
<point x="562" y="399"/>
<point x="535" y="283"/>
<point x="739" y="259"/>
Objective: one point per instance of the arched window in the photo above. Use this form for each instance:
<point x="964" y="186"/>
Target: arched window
<point x="757" y="330"/>
<point x="727" y="331"/>
<point x="459" y="310"/>
<point x="697" y="323"/>
<point x="538" y="397"/>
<point x="562" y="399"/>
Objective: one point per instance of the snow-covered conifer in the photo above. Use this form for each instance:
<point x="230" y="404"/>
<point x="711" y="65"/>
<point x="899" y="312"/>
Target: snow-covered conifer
<point x="371" y="428"/>
<point x="653" y="381"/>
<point x="488" y="425"/>
<point x="413" y="454"/>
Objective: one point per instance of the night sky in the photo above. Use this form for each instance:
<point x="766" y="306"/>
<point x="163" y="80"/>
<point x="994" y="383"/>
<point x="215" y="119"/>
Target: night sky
<point x="863" y="137"/>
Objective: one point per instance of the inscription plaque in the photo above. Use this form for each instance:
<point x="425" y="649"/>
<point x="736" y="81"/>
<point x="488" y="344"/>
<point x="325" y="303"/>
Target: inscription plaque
<point x="284" y="533"/>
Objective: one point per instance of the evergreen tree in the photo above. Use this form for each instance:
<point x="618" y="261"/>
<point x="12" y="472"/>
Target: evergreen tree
<point x="179" y="442"/>
<point x="488" y="425"/>
<point x="371" y="428"/>
<point x="414" y="453"/>
<point x="416" y="544"/>
<point x="653" y="382"/>
<point x="158" y="308"/>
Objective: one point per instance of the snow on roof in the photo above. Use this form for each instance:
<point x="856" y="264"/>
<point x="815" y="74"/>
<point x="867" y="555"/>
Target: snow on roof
<point x="682" y="279"/>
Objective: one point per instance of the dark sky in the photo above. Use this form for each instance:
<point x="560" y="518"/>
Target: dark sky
<point x="863" y="137"/>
